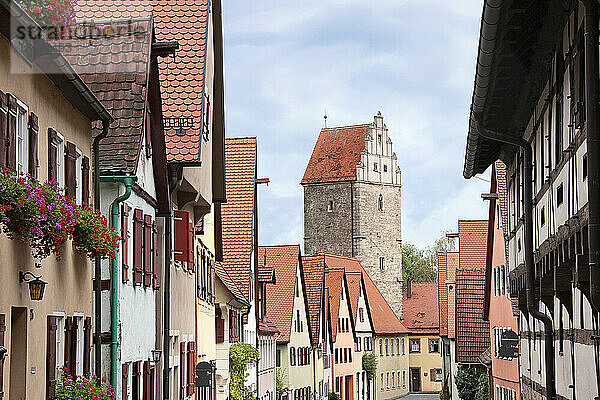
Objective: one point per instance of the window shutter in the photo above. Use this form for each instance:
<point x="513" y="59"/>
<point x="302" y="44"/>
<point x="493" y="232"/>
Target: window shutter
<point x="125" y="242"/>
<point x="191" y="367"/>
<point x="146" y="380"/>
<point x="2" y="330"/>
<point x="85" y="180"/>
<point x="138" y="255"/>
<point x="11" y="134"/>
<point x="3" y="127"/>
<point x="182" y="370"/>
<point x="87" y="342"/>
<point x="51" y="357"/>
<point x="33" y="145"/>
<point x="191" y="246"/>
<point x="73" y="367"/>
<point x="52" y="155"/>
<point x="68" y="340"/>
<point x="124" y="383"/>
<point x="147" y="250"/>
<point x="180" y="230"/>
<point x="155" y="263"/>
<point x="219" y="326"/>
<point x="70" y="165"/>
<point x="135" y="381"/>
<point x="432" y="375"/>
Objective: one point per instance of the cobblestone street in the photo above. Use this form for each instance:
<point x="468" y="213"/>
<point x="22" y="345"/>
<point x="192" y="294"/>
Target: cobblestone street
<point x="421" y="396"/>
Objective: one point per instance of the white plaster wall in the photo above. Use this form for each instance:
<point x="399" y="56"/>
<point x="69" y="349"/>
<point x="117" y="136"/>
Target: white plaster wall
<point x="299" y="376"/>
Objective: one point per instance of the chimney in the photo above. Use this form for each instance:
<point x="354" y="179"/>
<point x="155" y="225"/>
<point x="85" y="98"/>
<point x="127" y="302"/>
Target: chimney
<point x="408" y="288"/>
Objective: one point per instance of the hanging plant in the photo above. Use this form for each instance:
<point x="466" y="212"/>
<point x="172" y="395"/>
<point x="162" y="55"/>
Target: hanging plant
<point x="39" y="215"/>
<point x="83" y="388"/>
<point x="50" y="13"/>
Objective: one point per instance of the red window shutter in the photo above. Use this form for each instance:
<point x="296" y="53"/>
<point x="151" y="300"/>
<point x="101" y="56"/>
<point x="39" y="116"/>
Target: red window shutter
<point x="3" y="128"/>
<point x="70" y="166"/>
<point x="191" y="367"/>
<point x="135" y="381"/>
<point x="87" y="342"/>
<point x="180" y="229"/>
<point x="33" y="145"/>
<point x="124" y="383"/>
<point x="152" y="386"/>
<point x="155" y="263"/>
<point x="182" y="370"/>
<point x="432" y="375"/>
<point x="68" y="341"/>
<point x="85" y="180"/>
<point x="52" y="155"/>
<point x="147" y="250"/>
<point x="146" y="380"/>
<point x="51" y="357"/>
<point x="138" y="242"/>
<point x="219" y="326"/>
<point x="125" y="242"/>
<point x="191" y="246"/>
<point x="2" y="331"/>
<point x="11" y="134"/>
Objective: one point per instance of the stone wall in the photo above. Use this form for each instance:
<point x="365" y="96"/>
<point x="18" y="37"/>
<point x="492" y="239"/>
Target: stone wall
<point x="380" y="235"/>
<point x="328" y="231"/>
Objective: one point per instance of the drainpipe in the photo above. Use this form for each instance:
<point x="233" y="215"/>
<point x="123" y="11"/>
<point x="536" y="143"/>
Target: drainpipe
<point x="593" y="155"/>
<point x="128" y="181"/>
<point x="528" y="241"/>
<point x="167" y="306"/>
<point x="97" y="262"/>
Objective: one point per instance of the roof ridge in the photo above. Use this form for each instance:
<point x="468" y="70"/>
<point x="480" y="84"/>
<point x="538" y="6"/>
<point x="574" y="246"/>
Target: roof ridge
<point x="345" y="126"/>
<point x="278" y="245"/>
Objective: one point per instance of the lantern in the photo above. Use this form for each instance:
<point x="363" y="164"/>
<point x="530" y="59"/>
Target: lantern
<point x="36" y="285"/>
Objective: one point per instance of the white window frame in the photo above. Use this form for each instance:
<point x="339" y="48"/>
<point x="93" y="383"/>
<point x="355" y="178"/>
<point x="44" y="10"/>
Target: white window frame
<point x="60" y="160"/>
<point x="403" y="378"/>
<point x="60" y="343"/>
<point x="79" y="343"/>
<point x="78" y="177"/>
<point x="22" y="137"/>
<point x="382" y="263"/>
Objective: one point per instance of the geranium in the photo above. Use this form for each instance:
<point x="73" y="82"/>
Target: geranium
<point x="83" y="388"/>
<point x="39" y="215"/>
<point x="50" y="13"/>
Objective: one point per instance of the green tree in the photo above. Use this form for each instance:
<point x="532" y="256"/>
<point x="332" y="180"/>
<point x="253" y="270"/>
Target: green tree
<point x="240" y="355"/>
<point x="421" y="264"/>
<point x="280" y="378"/>
<point x="472" y="383"/>
<point x="369" y="364"/>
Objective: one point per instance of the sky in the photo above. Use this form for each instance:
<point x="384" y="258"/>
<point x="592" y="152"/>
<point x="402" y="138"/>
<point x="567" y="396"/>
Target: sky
<point x="287" y="61"/>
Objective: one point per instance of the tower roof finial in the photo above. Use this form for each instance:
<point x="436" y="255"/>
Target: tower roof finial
<point x="325" y="118"/>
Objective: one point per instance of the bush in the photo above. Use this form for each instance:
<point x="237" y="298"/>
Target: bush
<point x="83" y="388"/>
<point x="472" y="383"/>
<point x="369" y="364"/>
<point x="333" y="396"/>
<point x="240" y="355"/>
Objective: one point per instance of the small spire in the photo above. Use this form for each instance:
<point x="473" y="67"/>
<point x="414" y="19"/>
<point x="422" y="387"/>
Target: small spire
<point x="325" y="118"/>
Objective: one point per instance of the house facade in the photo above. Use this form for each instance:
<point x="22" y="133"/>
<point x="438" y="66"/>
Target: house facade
<point x="37" y="102"/>
<point x="447" y="266"/>
<point x="352" y="192"/>
<point x="421" y="317"/>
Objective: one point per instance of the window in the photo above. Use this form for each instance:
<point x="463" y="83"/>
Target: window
<point x="293" y="356"/>
<point x="375" y="167"/>
<point x="434" y="345"/>
<point x="559" y="129"/>
<point x="366" y="344"/>
<point x="78" y="177"/>
<point x="559" y="195"/>
<point x="398" y="346"/>
<point x="438" y="374"/>
<point x="297" y="288"/>
<point x="384" y="168"/>
<point x="79" y="345"/>
<point x="380" y="203"/>
<point x="584" y="166"/>
<point x="361" y="314"/>
<point x="357" y="344"/>
<point x="387" y="352"/>
<point x="22" y="139"/>
<point x="381" y="385"/>
<point x="379" y="138"/>
<point x="403" y="378"/>
<point x="393" y="379"/>
<point x="542" y="216"/>
<point x="337" y="356"/>
<point x="387" y="380"/>
<point x="380" y="347"/>
<point x="392" y="347"/>
<point x="60" y="345"/>
<point x="278" y="358"/>
<point x="403" y="346"/>
<point x="349" y="354"/>
<point x="330" y="206"/>
<point x="415" y="345"/>
<point x="382" y="263"/>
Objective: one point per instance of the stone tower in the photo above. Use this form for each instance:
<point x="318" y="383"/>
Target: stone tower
<point x="352" y="191"/>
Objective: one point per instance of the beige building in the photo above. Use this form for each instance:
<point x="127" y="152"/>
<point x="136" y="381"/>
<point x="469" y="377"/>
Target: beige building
<point x="39" y="338"/>
<point x="424" y="343"/>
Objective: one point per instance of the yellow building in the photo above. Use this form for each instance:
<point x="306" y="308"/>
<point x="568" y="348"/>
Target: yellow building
<point x="421" y="317"/>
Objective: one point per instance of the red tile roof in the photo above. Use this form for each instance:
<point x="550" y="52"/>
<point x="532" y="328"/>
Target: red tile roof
<point x="116" y="70"/>
<point x="353" y="278"/>
<point x="267" y="327"/>
<point x="182" y="76"/>
<point x="266" y="273"/>
<point x="314" y="269"/>
<point x="333" y="284"/>
<point x="336" y="154"/>
<point x="237" y="215"/>
<point x="472" y="243"/>
<point x="384" y="319"/>
<point x="472" y="332"/>
<point x="229" y="284"/>
<point x="421" y="313"/>
<point x="280" y="295"/>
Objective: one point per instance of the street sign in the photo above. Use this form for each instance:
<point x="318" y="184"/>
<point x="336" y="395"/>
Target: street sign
<point x="509" y="344"/>
<point x="204" y="372"/>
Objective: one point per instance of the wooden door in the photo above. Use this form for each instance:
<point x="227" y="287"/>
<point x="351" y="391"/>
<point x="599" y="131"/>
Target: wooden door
<point x="415" y="379"/>
<point x="348" y="387"/>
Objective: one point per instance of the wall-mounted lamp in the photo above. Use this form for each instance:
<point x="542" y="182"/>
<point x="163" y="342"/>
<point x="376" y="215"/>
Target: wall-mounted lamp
<point x="3" y="353"/>
<point x="36" y="285"/>
<point x="156" y="355"/>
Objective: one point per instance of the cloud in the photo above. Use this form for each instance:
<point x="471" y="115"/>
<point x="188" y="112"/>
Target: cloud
<point x="286" y="61"/>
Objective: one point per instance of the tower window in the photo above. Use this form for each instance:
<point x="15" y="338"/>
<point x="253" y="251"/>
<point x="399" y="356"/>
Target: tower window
<point x="330" y="206"/>
<point x="379" y="137"/>
<point x="380" y="203"/>
<point x="382" y="263"/>
<point x="384" y="168"/>
<point x="584" y="166"/>
<point x="375" y="167"/>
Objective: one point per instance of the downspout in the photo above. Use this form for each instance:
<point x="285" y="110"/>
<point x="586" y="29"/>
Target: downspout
<point x="128" y="181"/>
<point x="167" y="307"/>
<point x="593" y="155"/>
<point x="528" y="241"/>
<point x="98" y="262"/>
